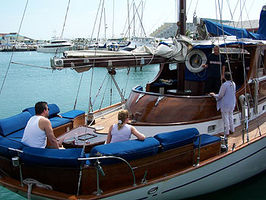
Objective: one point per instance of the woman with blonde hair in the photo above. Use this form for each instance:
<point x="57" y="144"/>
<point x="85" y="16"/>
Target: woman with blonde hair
<point x="122" y="131"/>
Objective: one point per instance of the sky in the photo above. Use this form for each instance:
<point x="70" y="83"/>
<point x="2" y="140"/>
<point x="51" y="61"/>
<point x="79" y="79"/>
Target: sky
<point x="44" y="19"/>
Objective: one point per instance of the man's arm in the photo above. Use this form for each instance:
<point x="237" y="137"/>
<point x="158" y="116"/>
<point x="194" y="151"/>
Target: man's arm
<point x="49" y="133"/>
<point x="223" y="70"/>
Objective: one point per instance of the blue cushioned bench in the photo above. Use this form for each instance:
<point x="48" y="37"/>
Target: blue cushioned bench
<point x="51" y="157"/>
<point x="206" y="139"/>
<point x="175" y="139"/>
<point x="53" y="115"/>
<point x="6" y="143"/>
<point x="129" y="150"/>
<point x="13" y="127"/>
<point x="57" y="121"/>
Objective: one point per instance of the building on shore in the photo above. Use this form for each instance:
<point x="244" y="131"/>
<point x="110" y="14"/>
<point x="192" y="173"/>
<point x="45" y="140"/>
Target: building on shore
<point x="14" y="41"/>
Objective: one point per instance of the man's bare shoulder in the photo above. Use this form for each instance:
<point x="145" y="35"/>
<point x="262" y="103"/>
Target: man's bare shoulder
<point x="44" y="122"/>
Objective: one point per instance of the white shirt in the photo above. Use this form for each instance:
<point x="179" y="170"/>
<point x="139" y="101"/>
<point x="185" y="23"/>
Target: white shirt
<point x="226" y="99"/>
<point x="34" y="136"/>
<point x="123" y="134"/>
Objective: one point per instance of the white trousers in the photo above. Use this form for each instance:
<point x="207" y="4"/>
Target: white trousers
<point x="228" y="122"/>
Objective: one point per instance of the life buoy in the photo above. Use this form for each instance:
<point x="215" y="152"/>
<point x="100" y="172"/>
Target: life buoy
<point x="194" y="60"/>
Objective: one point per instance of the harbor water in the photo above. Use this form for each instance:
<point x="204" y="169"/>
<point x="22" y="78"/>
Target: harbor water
<point x="34" y="81"/>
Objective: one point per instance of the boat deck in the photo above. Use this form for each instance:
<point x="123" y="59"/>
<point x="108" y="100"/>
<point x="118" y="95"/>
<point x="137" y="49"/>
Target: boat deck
<point x="103" y="122"/>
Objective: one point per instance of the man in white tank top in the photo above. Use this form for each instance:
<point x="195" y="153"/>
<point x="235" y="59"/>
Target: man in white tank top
<point x="39" y="128"/>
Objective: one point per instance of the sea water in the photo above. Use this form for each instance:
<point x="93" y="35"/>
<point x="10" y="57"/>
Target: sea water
<point x="33" y="80"/>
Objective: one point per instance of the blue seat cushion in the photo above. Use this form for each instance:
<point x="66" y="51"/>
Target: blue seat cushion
<point x="51" y="157"/>
<point x="129" y="150"/>
<point x="16" y="135"/>
<point x="31" y="110"/>
<point x="72" y="114"/>
<point x="14" y="123"/>
<point x="53" y="110"/>
<point x="58" y="121"/>
<point x="206" y="139"/>
<point x="174" y="139"/>
<point x="6" y="143"/>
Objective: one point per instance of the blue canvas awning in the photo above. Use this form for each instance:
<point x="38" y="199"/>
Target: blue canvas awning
<point x="218" y="29"/>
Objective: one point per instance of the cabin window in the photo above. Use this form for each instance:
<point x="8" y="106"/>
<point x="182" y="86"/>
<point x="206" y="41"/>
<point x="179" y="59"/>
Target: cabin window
<point x="211" y="128"/>
<point x="234" y="120"/>
<point x="263" y="108"/>
<point x="173" y="67"/>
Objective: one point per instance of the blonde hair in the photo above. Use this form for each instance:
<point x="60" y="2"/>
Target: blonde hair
<point x="122" y="116"/>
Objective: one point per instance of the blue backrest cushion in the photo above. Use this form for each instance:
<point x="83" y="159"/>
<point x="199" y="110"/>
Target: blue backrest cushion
<point x="129" y="150"/>
<point x="14" y="123"/>
<point x="58" y="121"/>
<point x="16" y="135"/>
<point x="31" y="110"/>
<point x="6" y="143"/>
<point x="72" y="114"/>
<point x="206" y="139"/>
<point x="53" y="110"/>
<point x="174" y="139"/>
<point x="51" y="157"/>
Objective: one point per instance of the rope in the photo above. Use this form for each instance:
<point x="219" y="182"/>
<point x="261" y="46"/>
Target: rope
<point x="63" y="28"/>
<point x="11" y="57"/>
<point x="30" y="65"/>
<point x="78" y="91"/>
<point x="128" y="71"/>
<point x="100" y="23"/>
<point x="100" y="88"/>
<point x="90" y="104"/>
<point x="104" y="93"/>
<point x="65" y="19"/>
<point x="31" y="182"/>
<point x="95" y="20"/>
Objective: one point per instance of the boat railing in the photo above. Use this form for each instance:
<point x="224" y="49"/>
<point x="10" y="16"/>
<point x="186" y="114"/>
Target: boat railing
<point x="99" y="169"/>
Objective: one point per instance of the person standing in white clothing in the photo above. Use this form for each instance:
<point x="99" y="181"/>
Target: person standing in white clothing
<point x="39" y="129"/>
<point x="122" y="131"/>
<point x="226" y="101"/>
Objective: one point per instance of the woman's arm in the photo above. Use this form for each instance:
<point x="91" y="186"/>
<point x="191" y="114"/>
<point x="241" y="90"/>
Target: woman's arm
<point x="109" y="136"/>
<point x="139" y="135"/>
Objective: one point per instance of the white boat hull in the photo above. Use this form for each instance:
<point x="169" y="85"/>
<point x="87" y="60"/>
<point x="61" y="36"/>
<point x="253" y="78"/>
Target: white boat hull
<point x="53" y="49"/>
<point x="226" y="171"/>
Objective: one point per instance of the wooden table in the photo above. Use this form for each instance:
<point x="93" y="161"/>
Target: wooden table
<point x="80" y="136"/>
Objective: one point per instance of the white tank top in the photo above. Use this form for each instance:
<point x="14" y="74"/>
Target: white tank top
<point x="120" y="135"/>
<point x="34" y="136"/>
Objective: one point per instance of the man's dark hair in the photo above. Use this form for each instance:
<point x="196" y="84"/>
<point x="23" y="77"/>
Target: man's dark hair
<point x="40" y="107"/>
<point x="227" y="76"/>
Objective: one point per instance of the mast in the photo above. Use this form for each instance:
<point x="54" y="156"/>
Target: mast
<point x="181" y="16"/>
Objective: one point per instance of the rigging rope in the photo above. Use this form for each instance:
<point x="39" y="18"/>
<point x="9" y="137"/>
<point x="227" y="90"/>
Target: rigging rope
<point x="11" y="57"/>
<point x="65" y="19"/>
<point x="76" y="99"/>
<point x="63" y="28"/>
<point x="95" y="20"/>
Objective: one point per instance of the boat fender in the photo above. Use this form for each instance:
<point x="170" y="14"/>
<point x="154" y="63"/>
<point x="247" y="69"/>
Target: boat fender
<point x="194" y="60"/>
<point x="245" y="105"/>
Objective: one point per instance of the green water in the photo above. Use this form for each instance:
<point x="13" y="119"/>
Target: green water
<point x="26" y="85"/>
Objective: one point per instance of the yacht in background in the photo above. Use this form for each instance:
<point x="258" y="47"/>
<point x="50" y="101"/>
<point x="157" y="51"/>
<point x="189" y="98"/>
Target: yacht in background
<point x="55" y="46"/>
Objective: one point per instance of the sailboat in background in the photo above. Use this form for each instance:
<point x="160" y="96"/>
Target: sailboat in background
<point x="182" y="156"/>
